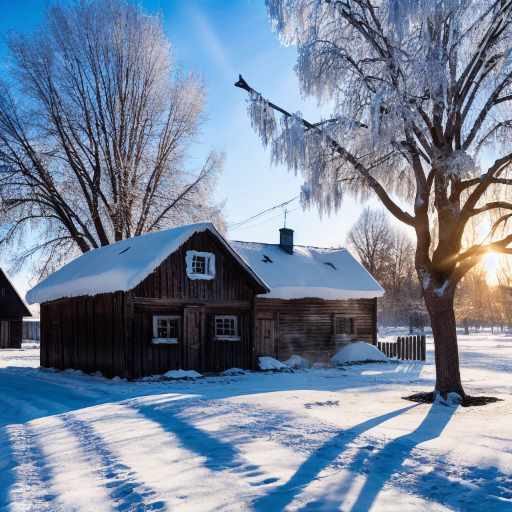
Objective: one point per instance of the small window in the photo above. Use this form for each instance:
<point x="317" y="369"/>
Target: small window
<point x="226" y="327"/>
<point x="344" y="325"/>
<point x="200" y="265"/>
<point x="2" y="292"/>
<point x="166" y="329"/>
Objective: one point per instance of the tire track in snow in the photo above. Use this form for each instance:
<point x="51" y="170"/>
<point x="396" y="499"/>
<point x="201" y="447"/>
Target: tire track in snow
<point x="31" y="492"/>
<point x="126" y="491"/>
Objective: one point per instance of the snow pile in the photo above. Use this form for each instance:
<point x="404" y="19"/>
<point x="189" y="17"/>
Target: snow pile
<point x="269" y="363"/>
<point x="120" y="266"/>
<point x="328" y="274"/>
<point x="233" y="372"/>
<point x="182" y="374"/>
<point x="298" y="362"/>
<point x="358" y="352"/>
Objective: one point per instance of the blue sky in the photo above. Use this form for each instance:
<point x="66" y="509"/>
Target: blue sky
<point x="217" y="39"/>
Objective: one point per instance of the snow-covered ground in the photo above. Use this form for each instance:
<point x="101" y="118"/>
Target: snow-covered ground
<point x="319" y="439"/>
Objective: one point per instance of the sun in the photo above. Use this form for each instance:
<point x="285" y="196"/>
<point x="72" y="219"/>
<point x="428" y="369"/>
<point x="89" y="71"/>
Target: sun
<point x="491" y="263"/>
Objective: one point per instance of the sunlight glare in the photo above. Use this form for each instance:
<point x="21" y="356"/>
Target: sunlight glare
<point x="491" y="264"/>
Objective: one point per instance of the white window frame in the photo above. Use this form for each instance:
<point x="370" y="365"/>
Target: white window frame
<point x="165" y="341"/>
<point x="210" y="265"/>
<point x="226" y="337"/>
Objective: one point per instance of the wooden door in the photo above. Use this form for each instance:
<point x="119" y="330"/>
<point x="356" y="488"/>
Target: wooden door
<point x="192" y="337"/>
<point x="4" y="334"/>
<point x="265" y="337"/>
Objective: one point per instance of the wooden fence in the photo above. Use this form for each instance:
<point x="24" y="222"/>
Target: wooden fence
<point x="406" y="348"/>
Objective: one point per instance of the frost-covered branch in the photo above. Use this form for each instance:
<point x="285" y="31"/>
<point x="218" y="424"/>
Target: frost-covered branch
<point x="297" y="149"/>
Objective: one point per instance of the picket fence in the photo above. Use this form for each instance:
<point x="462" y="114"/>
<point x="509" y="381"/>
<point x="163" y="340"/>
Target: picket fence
<point x="406" y="348"/>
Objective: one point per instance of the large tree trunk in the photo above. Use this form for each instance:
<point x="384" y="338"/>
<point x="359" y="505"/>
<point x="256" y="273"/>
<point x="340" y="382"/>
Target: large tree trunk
<point x="442" y="318"/>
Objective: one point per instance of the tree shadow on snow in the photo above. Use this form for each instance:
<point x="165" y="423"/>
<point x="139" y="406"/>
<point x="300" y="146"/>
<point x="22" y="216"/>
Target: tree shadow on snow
<point x="125" y="490"/>
<point x="217" y="455"/>
<point x="20" y="447"/>
<point x="6" y="468"/>
<point x="379" y="466"/>
<point x="309" y="470"/>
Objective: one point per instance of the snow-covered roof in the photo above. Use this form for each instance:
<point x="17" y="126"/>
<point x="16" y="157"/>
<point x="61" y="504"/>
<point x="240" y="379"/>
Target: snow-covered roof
<point x="309" y="272"/>
<point x="121" y="266"/>
<point x="24" y="308"/>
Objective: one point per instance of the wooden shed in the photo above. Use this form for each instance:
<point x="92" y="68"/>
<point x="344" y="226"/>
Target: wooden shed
<point x="12" y="311"/>
<point x="320" y="299"/>
<point x="175" y="299"/>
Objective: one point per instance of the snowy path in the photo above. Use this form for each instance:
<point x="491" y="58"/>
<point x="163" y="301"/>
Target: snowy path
<point x="319" y="440"/>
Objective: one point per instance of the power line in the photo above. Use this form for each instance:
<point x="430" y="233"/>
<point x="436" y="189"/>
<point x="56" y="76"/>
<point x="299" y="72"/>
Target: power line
<point x="237" y="225"/>
<point x="263" y="221"/>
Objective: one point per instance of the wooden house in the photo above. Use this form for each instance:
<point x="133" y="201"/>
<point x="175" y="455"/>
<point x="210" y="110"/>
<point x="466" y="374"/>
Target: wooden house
<point x="319" y="299"/>
<point x="187" y="298"/>
<point x="180" y="298"/>
<point x="12" y="311"/>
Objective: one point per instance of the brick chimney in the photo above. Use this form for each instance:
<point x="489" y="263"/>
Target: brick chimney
<point x="286" y="240"/>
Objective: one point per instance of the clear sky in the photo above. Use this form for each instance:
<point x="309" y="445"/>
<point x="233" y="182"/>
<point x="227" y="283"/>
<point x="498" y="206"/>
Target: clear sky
<point x="218" y="39"/>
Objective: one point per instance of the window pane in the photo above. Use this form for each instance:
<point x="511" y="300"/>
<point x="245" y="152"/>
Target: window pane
<point x="226" y="326"/>
<point x="167" y="327"/>
<point x="198" y="264"/>
<point x="173" y="328"/>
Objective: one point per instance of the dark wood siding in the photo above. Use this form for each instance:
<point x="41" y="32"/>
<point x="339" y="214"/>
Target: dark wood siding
<point x="169" y="291"/>
<point x="306" y="326"/>
<point x="12" y="311"/>
<point x="10" y="333"/>
<point x="197" y="348"/>
<point x="85" y="333"/>
<point x="170" y="281"/>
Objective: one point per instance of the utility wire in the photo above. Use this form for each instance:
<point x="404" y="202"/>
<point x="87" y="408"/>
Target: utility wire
<point x="264" y="221"/>
<point x="237" y="225"/>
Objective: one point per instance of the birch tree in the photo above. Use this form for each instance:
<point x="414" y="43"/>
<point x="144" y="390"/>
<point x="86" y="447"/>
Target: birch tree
<point x="96" y="126"/>
<point x="420" y="93"/>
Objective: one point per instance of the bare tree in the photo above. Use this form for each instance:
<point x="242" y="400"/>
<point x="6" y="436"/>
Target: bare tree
<point x="371" y="237"/>
<point x="418" y="89"/>
<point x="388" y="254"/>
<point x="96" y="124"/>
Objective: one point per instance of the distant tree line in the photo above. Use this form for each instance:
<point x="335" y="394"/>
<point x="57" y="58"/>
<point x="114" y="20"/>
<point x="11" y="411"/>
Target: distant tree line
<point x="387" y="252"/>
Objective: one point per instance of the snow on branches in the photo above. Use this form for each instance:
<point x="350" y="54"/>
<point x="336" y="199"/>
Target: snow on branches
<point x="417" y="88"/>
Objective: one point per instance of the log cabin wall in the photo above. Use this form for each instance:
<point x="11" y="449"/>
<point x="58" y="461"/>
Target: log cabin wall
<point x="308" y="326"/>
<point x="85" y="333"/>
<point x="169" y="291"/>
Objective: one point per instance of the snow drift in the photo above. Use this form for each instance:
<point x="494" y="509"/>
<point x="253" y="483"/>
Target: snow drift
<point x="269" y="363"/>
<point x="182" y="374"/>
<point x="298" y="362"/>
<point x="358" y="352"/>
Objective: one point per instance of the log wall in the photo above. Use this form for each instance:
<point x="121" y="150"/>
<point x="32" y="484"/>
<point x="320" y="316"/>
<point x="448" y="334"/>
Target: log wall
<point x="14" y="333"/>
<point x="85" y="333"/>
<point x="170" y="280"/>
<point x="307" y="326"/>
